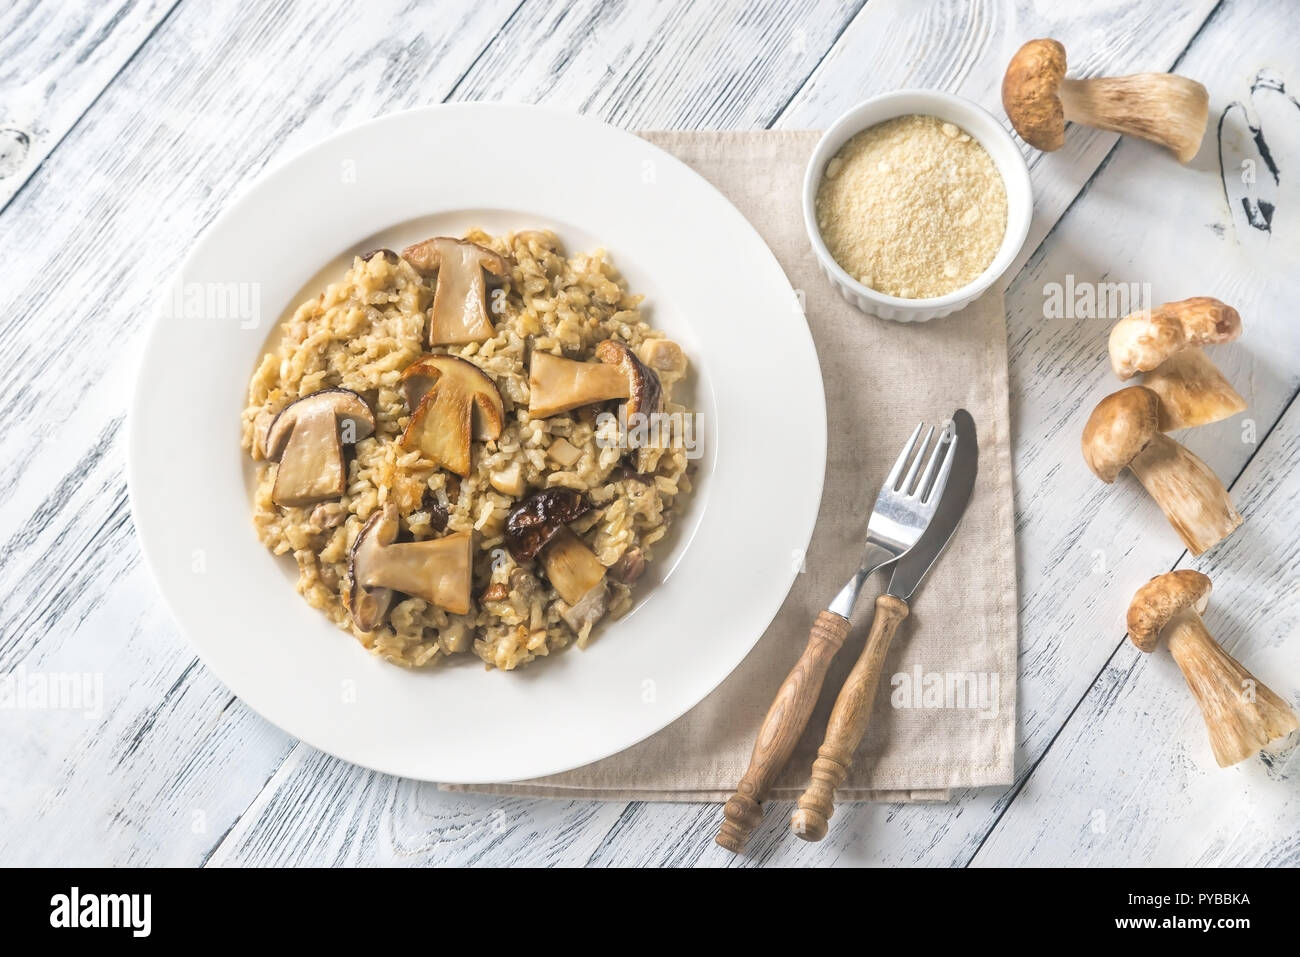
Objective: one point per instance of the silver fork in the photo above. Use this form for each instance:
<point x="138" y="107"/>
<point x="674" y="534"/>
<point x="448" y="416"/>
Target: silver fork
<point x="903" y="509"/>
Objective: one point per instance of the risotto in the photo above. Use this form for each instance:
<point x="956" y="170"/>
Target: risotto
<point x="442" y="489"/>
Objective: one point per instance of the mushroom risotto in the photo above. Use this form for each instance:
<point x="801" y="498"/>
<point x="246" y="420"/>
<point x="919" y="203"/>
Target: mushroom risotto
<point x="471" y="446"/>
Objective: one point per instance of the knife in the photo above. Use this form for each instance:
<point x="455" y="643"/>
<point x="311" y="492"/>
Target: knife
<point x="852" y="711"/>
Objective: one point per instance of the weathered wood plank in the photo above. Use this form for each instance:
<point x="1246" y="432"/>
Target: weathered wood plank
<point x="660" y="66"/>
<point x="363" y="818"/>
<point x="55" y="58"/>
<point x="171" y="744"/>
<point x="1131" y="780"/>
<point x="72" y="580"/>
<point x="1083" y="546"/>
<point x="682" y="834"/>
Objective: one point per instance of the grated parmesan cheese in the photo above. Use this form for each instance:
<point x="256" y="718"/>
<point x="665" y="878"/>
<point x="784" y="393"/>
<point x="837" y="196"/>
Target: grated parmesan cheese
<point x="913" y="207"/>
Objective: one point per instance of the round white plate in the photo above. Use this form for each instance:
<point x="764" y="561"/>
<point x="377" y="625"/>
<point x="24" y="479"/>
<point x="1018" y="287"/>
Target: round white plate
<point x="710" y="282"/>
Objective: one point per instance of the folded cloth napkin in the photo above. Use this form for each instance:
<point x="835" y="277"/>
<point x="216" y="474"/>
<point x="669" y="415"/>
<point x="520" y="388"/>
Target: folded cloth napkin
<point x="947" y="718"/>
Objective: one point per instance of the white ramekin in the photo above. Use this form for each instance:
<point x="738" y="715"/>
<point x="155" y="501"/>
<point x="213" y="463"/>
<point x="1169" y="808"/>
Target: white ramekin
<point x="980" y="124"/>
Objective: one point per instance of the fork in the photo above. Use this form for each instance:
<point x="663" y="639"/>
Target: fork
<point x="903" y="509"/>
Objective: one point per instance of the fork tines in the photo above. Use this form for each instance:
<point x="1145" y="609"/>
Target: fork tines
<point x="940" y="457"/>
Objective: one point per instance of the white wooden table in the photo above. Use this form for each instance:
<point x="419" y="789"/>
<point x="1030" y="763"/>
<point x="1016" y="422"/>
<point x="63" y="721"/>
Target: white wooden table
<point x="126" y="126"/>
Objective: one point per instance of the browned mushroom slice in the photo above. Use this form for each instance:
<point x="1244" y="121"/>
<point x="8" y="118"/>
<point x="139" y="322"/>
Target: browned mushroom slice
<point x="644" y="392"/>
<point x="437" y="571"/>
<point x="452" y="402"/>
<point x="558" y="385"/>
<point x="307" y="439"/>
<point x="539" y="527"/>
<point x="460" y="311"/>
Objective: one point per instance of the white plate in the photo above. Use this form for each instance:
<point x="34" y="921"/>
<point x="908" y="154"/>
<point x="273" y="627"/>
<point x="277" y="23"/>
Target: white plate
<point x="710" y="282"/>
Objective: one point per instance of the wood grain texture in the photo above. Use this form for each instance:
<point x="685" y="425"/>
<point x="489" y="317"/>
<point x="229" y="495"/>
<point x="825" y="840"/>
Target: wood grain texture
<point x="55" y="59"/>
<point x="1132" y="780"/>
<point x="147" y="141"/>
<point x="848" y="723"/>
<point x="181" y="758"/>
<point x="781" y="729"/>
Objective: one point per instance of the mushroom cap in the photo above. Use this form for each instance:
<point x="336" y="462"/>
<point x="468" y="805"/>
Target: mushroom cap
<point x="644" y="391"/>
<point x="1030" y="93"/>
<point x="1119" y="428"/>
<point x="536" y="519"/>
<point x="345" y="403"/>
<point x="1160" y="599"/>
<point x="1142" y="340"/>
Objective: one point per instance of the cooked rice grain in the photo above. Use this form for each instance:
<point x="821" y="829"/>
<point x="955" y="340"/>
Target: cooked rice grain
<point x="360" y="334"/>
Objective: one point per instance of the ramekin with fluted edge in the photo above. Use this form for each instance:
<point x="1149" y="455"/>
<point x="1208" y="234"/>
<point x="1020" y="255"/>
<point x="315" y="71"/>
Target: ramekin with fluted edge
<point x="980" y="124"/>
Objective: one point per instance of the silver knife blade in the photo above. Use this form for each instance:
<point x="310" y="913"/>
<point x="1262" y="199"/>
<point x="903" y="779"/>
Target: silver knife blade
<point x="911" y="569"/>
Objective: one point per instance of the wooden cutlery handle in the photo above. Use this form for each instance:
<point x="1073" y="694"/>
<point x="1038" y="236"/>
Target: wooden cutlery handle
<point x="781" y="729"/>
<point x="848" y="723"/>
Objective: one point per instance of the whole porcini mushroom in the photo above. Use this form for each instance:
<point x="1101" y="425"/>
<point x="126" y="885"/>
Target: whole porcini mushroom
<point x="538" y="526"/>
<point x="1123" y="432"/>
<point x="437" y="571"/>
<point x="1039" y="100"/>
<point x="556" y="384"/>
<point x="1241" y="713"/>
<point x="307" y="439"/>
<point x="460" y="311"/>
<point x="452" y="402"/>
<point x="1165" y="343"/>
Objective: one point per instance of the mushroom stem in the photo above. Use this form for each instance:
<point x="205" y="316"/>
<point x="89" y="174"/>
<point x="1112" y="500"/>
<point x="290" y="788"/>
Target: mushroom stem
<point x="1187" y="491"/>
<point x="1192" y="391"/>
<point x="1161" y="107"/>
<point x="1241" y="713"/>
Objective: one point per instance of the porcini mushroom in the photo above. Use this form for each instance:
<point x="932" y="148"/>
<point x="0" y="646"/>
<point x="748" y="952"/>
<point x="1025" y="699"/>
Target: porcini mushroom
<point x="452" y="402"/>
<point x="1192" y="391"/>
<point x="307" y="439"/>
<point x="437" y="571"/>
<point x="460" y="311"/>
<point x="1123" y="432"/>
<point x="538" y="526"/>
<point x="1039" y="100"/>
<point x="1242" y="714"/>
<point x="1165" y="343"/>
<point x="558" y="385"/>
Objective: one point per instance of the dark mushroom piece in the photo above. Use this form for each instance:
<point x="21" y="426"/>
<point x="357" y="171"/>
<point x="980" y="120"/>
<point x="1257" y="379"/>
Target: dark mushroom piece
<point x="452" y="402"/>
<point x="307" y="439"/>
<point x="460" y="311"/>
<point x="437" y="570"/>
<point x="538" y="527"/>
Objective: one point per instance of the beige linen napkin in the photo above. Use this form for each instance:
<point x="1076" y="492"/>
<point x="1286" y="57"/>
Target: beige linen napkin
<point x="946" y="717"/>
